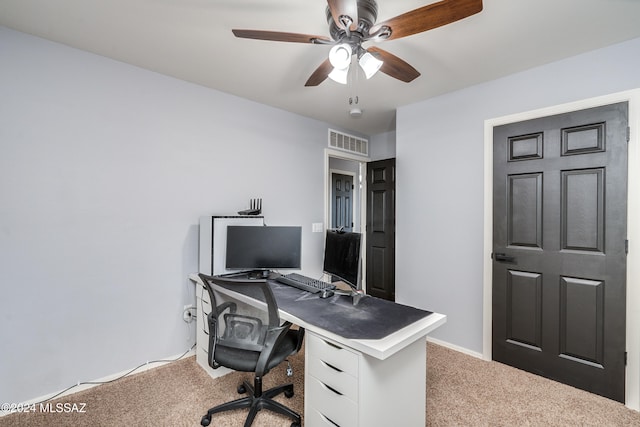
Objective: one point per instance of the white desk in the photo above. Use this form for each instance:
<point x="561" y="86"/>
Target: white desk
<point x="359" y="382"/>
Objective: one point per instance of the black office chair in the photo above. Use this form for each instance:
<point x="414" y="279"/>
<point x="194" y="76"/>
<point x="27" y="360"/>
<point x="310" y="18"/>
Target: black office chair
<point x="250" y="346"/>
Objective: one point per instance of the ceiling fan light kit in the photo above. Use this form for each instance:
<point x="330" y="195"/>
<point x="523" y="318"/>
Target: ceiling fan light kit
<point x="340" y="59"/>
<point x="339" y="75"/>
<point x="340" y="56"/>
<point x="370" y="64"/>
<point x="353" y="22"/>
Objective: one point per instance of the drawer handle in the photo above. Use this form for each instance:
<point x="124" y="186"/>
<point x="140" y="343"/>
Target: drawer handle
<point x="333" y="367"/>
<point x="332" y="389"/>
<point x="329" y="419"/>
<point x="334" y="345"/>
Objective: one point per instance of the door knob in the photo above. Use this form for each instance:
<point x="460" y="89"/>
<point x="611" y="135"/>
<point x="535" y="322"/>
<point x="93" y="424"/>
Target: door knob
<point x="501" y="257"/>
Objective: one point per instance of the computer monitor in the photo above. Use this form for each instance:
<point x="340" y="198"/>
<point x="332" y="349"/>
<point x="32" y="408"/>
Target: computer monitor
<point x="263" y="247"/>
<point x="342" y="256"/>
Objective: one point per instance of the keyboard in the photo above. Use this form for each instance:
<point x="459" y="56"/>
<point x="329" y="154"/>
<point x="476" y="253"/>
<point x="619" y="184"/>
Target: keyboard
<point x="305" y="283"/>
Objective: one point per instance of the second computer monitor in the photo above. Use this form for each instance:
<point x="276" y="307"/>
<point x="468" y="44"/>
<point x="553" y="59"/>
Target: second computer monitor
<point x="263" y="248"/>
<point x="342" y="256"/>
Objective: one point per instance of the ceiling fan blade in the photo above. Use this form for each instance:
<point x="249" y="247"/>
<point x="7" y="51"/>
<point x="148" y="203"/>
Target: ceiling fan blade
<point x="278" y="36"/>
<point x="428" y="17"/>
<point x="320" y="74"/>
<point x="340" y="8"/>
<point x="394" y="66"/>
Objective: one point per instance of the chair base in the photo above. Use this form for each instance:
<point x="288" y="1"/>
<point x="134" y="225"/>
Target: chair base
<point x="256" y="401"/>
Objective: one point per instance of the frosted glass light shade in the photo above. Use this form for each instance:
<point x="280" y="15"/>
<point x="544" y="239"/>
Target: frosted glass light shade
<point x="370" y="64"/>
<point x="339" y="75"/>
<point x="340" y="56"/>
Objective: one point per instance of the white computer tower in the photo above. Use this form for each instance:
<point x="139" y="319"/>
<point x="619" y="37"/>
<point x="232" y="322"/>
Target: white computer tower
<point x="213" y="240"/>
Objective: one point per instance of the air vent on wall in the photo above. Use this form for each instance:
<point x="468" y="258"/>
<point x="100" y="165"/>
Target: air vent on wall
<point x="350" y="143"/>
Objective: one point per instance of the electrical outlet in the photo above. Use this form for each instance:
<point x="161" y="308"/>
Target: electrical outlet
<point x="189" y="313"/>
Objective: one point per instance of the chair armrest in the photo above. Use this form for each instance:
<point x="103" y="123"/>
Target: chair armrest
<point x="272" y="340"/>
<point x="212" y="318"/>
<point x="301" y="332"/>
<point x="212" y="322"/>
<point x="232" y="306"/>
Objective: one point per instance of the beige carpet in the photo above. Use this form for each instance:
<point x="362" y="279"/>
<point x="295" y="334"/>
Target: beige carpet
<point x="461" y="391"/>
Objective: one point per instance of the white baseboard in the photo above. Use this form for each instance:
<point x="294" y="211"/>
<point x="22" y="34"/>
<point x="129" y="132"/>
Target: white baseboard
<point x="455" y="347"/>
<point x="83" y="386"/>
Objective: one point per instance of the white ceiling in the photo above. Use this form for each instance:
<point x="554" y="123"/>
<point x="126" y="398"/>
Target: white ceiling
<point x="192" y="40"/>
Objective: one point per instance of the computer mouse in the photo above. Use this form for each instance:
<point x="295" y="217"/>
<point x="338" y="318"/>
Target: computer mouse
<point x="326" y="293"/>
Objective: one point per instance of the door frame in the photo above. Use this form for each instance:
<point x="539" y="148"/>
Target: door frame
<point x="632" y="375"/>
<point x="362" y="182"/>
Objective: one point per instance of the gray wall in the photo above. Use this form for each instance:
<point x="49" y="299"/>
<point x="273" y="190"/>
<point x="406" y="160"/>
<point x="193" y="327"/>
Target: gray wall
<point x="440" y="178"/>
<point x="105" y="170"/>
<point x="382" y="146"/>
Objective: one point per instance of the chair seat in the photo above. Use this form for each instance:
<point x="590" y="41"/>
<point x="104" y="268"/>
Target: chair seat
<point x="245" y="361"/>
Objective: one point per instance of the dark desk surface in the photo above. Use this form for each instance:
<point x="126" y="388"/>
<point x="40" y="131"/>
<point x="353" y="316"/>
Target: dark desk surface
<point x="372" y="319"/>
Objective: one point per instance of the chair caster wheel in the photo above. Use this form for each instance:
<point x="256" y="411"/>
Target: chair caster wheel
<point x="288" y="394"/>
<point x="206" y="420"/>
<point x="295" y="424"/>
<point x="242" y="389"/>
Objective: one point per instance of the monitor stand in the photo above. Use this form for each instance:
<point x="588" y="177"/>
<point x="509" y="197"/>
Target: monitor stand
<point x="345" y="289"/>
<point x="258" y="274"/>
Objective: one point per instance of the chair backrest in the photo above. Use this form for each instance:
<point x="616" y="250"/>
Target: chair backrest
<point x="241" y="331"/>
<point x="256" y="288"/>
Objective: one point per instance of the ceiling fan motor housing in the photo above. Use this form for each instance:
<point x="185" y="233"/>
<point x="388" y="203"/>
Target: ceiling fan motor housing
<point x="367" y="15"/>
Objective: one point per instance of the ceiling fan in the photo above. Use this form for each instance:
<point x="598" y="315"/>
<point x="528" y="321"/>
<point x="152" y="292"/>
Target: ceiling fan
<point x="353" y="22"/>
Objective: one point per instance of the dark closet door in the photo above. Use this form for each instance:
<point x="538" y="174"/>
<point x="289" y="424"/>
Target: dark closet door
<point x="381" y="228"/>
<point x="559" y="247"/>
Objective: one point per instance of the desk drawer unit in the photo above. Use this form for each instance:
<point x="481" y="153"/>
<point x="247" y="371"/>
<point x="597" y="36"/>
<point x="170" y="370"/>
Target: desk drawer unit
<point x="346" y="388"/>
<point x="331" y="383"/>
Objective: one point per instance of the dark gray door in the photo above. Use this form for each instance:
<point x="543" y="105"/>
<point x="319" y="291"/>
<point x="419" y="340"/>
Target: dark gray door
<point x="342" y="201"/>
<point x="381" y="229"/>
<point x="559" y="247"/>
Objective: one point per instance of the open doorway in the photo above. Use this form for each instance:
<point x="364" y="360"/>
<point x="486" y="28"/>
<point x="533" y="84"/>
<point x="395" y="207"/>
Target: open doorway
<point x="344" y="197"/>
<point x="340" y="205"/>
